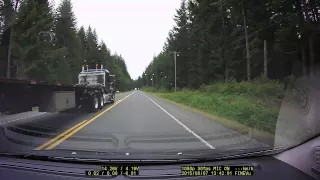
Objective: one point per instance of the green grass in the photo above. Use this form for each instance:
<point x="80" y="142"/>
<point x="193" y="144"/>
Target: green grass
<point x="255" y="104"/>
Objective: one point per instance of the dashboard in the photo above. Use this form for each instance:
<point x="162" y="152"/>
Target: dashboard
<point x="266" y="167"/>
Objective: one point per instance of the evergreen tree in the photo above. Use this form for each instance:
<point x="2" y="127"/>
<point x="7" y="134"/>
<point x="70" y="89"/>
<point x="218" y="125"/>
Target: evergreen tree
<point x="234" y="39"/>
<point x="81" y="34"/>
<point x="6" y="21"/>
<point x="92" y="48"/>
<point x="66" y="37"/>
<point x="30" y="32"/>
<point x="47" y="46"/>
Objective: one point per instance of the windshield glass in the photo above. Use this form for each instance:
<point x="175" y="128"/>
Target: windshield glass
<point x="158" y="77"/>
<point x="91" y="79"/>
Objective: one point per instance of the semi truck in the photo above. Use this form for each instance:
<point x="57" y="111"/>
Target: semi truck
<point x="95" y="88"/>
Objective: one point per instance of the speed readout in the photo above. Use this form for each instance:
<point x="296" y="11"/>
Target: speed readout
<point x="114" y="171"/>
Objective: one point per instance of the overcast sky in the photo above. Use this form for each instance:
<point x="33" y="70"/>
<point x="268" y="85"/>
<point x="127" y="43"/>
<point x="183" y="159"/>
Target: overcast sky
<point x="136" y="29"/>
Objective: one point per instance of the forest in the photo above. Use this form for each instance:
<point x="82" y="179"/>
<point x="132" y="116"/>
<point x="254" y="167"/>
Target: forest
<point x="237" y="40"/>
<point x="47" y="44"/>
<point x="236" y="59"/>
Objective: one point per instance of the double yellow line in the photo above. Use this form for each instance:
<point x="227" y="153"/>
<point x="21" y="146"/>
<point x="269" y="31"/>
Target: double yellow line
<point x="66" y="134"/>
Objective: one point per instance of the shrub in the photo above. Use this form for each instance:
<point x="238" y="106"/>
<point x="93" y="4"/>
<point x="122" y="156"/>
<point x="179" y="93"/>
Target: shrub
<point x="148" y="89"/>
<point x="255" y="104"/>
<point x="259" y="87"/>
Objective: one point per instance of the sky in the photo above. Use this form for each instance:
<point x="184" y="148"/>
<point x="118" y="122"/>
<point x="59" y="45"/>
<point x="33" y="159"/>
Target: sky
<point x="136" y="29"/>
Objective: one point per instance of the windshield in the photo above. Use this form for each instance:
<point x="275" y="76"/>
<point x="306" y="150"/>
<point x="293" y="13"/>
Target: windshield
<point x="179" y="76"/>
<point x="91" y="79"/>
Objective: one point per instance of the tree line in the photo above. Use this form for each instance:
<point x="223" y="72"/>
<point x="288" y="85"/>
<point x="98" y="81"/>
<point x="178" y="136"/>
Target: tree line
<point x="47" y="45"/>
<point x="223" y="40"/>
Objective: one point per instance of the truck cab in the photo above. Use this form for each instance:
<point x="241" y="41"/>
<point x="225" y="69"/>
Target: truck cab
<point x="101" y="80"/>
<point x="93" y="77"/>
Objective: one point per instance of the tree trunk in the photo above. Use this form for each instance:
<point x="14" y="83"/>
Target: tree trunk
<point x="265" y="59"/>
<point x="226" y="71"/>
<point x="225" y="49"/>
<point x="311" y="55"/>
<point x="247" y="44"/>
<point x="3" y="60"/>
<point x="21" y="67"/>
<point x="304" y="62"/>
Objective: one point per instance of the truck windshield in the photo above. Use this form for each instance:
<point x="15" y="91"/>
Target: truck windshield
<point x="91" y="79"/>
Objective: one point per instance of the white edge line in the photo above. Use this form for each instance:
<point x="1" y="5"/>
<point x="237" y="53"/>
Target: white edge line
<point x="21" y="118"/>
<point x="188" y="129"/>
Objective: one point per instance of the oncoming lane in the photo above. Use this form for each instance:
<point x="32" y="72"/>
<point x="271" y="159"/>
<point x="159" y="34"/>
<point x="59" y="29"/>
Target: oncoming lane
<point x="78" y="127"/>
<point x="30" y="130"/>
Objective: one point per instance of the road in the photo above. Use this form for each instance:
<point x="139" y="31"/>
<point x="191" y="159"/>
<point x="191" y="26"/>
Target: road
<point x="136" y="121"/>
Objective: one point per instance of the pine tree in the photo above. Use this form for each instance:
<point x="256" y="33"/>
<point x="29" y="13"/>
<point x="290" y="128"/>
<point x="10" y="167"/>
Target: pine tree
<point x="105" y="55"/>
<point x="66" y="37"/>
<point x="219" y="45"/>
<point x="92" y="49"/>
<point x="47" y="45"/>
<point x="34" y="19"/>
<point x="182" y="44"/>
<point x="6" y="14"/>
<point x="81" y="34"/>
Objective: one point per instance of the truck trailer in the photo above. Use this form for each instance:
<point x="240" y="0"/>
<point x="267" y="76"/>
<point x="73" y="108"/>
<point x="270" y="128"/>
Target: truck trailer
<point x="95" y="88"/>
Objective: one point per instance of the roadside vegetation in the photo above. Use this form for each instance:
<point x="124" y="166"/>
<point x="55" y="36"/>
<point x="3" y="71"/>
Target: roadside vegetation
<point x="218" y="52"/>
<point x="254" y="104"/>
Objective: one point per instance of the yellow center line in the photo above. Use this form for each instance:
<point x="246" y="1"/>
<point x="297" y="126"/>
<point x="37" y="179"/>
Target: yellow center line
<point x="76" y="129"/>
<point x="60" y="135"/>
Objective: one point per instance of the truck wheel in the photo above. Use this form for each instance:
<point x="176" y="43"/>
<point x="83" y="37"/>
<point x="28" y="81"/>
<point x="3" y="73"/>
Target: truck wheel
<point x="112" y="99"/>
<point x="101" y="101"/>
<point x="94" y="103"/>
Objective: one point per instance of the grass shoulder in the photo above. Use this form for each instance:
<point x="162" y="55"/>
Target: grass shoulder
<point x="240" y="106"/>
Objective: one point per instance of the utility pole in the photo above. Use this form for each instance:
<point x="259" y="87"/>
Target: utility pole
<point x="175" y="54"/>
<point x="247" y="41"/>
<point x="153" y="79"/>
<point x="12" y="18"/>
<point x="147" y="79"/>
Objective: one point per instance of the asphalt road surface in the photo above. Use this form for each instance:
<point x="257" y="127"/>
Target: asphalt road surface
<point x="136" y="121"/>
